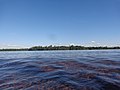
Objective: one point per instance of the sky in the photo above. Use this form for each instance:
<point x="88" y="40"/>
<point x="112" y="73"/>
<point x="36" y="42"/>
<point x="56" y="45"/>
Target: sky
<point x="59" y="22"/>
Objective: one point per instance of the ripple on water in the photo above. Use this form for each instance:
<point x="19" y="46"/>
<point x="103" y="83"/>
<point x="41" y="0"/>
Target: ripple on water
<point x="59" y="74"/>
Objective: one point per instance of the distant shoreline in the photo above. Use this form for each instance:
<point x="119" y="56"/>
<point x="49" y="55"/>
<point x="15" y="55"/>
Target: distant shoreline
<point x="55" y="48"/>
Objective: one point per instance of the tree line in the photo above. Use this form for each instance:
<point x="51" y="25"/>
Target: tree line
<point x="72" y="47"/>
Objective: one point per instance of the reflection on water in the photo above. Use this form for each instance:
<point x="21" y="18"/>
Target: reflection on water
<point x="60" y="70"/>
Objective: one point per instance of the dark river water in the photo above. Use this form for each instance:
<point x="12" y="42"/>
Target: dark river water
<point x="60" y="70"/>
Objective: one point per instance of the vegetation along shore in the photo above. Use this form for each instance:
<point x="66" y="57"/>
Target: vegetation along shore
<point x="72" y="47"/>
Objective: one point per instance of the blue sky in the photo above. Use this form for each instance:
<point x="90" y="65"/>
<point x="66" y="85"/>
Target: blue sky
<point x="46" y="22"/>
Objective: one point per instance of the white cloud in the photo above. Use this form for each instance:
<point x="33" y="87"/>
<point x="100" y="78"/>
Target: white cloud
<point x="3" y="46"/>
<point x="93" y="41"/>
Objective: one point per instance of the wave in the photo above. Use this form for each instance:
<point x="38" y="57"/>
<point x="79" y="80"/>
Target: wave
<point x="65" y="74"/>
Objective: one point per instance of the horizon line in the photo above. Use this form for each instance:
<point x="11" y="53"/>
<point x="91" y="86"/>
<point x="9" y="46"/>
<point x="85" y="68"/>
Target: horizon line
<point x="26" y="47"/>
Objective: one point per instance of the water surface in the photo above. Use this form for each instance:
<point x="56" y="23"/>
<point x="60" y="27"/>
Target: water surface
<point x="60" y="70"/>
